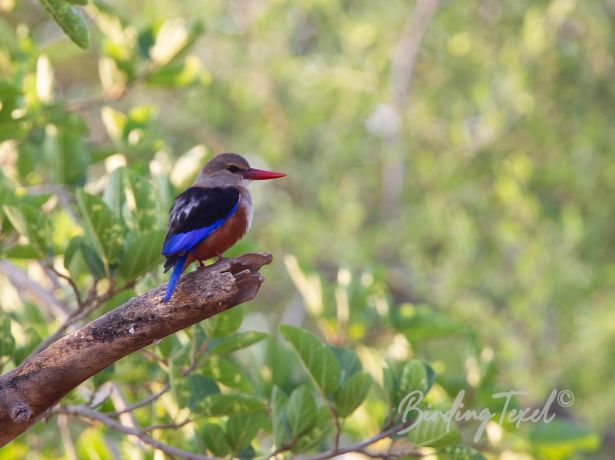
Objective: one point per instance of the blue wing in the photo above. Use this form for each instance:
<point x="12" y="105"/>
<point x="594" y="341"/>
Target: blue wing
<point x="195" y="215"/>
<point x="181" y="243"/>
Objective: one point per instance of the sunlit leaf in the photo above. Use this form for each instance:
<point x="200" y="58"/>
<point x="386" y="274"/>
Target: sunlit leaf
<point x="172" y="38"/>
<point x="103" y="230"/>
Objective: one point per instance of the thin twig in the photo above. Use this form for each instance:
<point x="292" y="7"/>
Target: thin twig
<point x="283" y="448"/>
<point x="358" y="447"/>
<point x="86" y="412"/>
<point x="338" y="426"/>
<point x="143" y="402"/>
<point x="167" y="426"/>
<point x="69" y="280"/>
<point x="195" y="357"/>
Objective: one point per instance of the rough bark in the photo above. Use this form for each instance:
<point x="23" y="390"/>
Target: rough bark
<point x="30" y="390"/>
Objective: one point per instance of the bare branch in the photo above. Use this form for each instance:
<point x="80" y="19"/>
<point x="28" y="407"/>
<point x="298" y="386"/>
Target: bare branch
<point x="139" y="404"/>
<point x="69" y="280"/>
<point x="91" y="414"/>
<point x="30" y="390"/>
<point x="361" y="446"/>
<point x="406" y="52"/>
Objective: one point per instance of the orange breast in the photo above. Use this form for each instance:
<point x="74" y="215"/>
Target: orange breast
<point x="223" y="238"/>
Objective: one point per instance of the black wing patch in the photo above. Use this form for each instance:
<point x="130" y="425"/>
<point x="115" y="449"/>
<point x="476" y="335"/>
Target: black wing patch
<point x="195" y="214"/>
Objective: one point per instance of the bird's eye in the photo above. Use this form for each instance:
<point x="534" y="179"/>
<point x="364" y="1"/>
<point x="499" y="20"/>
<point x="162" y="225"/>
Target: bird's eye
<point x="232" y="168"/>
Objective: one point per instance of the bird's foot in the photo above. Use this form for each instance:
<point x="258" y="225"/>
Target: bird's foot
<point x="201" y="265"/>
<point x="220" y="257"/>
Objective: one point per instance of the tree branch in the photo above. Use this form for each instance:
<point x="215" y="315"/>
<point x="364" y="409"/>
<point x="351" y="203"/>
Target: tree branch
<point x="33" y="388"/>
<point x="361" y="446"/>
<point x="86" y="412"/>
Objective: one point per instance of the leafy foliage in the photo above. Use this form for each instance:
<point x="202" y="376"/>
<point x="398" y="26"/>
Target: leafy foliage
<point x="455" y="242"/>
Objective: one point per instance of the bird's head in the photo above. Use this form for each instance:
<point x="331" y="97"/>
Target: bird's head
<point x="231" y="169"/>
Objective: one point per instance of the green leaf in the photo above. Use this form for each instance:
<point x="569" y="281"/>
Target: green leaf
<point x="179" y="74"/>
<point x="301" y="411"/>
<point x="225" y="323"/>
<point x="115" y="124"/>
<point x="216" y="405"/>
<point x="281" y="430"/>
<point x="277" y="357"/>
<point x="33" y="224"/>
<point x="415" y="376"/>
<point x="433" y="431"/>
<point x="80" y="257"/>
<point x="319" y="361"/>
<point x="174" y="36"/>
<point x="92" y="259"/>
<point x="77" y="2"/>
<point x="241" y="429"/>
<point x="199" y="387"/>
<point x="235" y="342"/>
<point x="141" y="254"/>
<point x="225" y="371"/>
<point x="103" y="230"/>
<point x="351" y="393"/>
<point x="114" y="195"/>
<point x="215" y="440"/>
<point x="322" y="429"/>
<point x="390" y="385"/>
<point x="131" y="197"/>
<point x="168" y="346"/>
<point x="70" y="20"/>
<point x="64" y="152"/>
<point x="349" y="363"/>
<point x="144" y="206"/>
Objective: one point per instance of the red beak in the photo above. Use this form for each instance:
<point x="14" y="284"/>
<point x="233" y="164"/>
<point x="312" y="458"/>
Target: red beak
<point x="260" y="174"/>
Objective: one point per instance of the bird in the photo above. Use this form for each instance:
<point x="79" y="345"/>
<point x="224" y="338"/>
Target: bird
<point x="211" y="215"/>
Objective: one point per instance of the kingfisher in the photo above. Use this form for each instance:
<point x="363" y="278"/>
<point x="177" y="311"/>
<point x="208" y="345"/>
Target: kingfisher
<point x="212" y="215"/>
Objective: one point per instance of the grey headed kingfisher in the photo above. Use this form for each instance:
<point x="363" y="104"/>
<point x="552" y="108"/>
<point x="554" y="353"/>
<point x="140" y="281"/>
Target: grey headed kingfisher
<point x="212" y="215"/>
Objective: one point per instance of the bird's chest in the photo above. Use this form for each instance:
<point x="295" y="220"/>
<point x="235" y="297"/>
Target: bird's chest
<point x="227" y="235"/>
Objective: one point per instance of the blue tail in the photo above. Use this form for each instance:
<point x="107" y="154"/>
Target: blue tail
<point x="177" y="272"/>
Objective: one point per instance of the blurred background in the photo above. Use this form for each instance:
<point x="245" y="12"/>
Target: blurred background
<point x="450" y="173"/>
